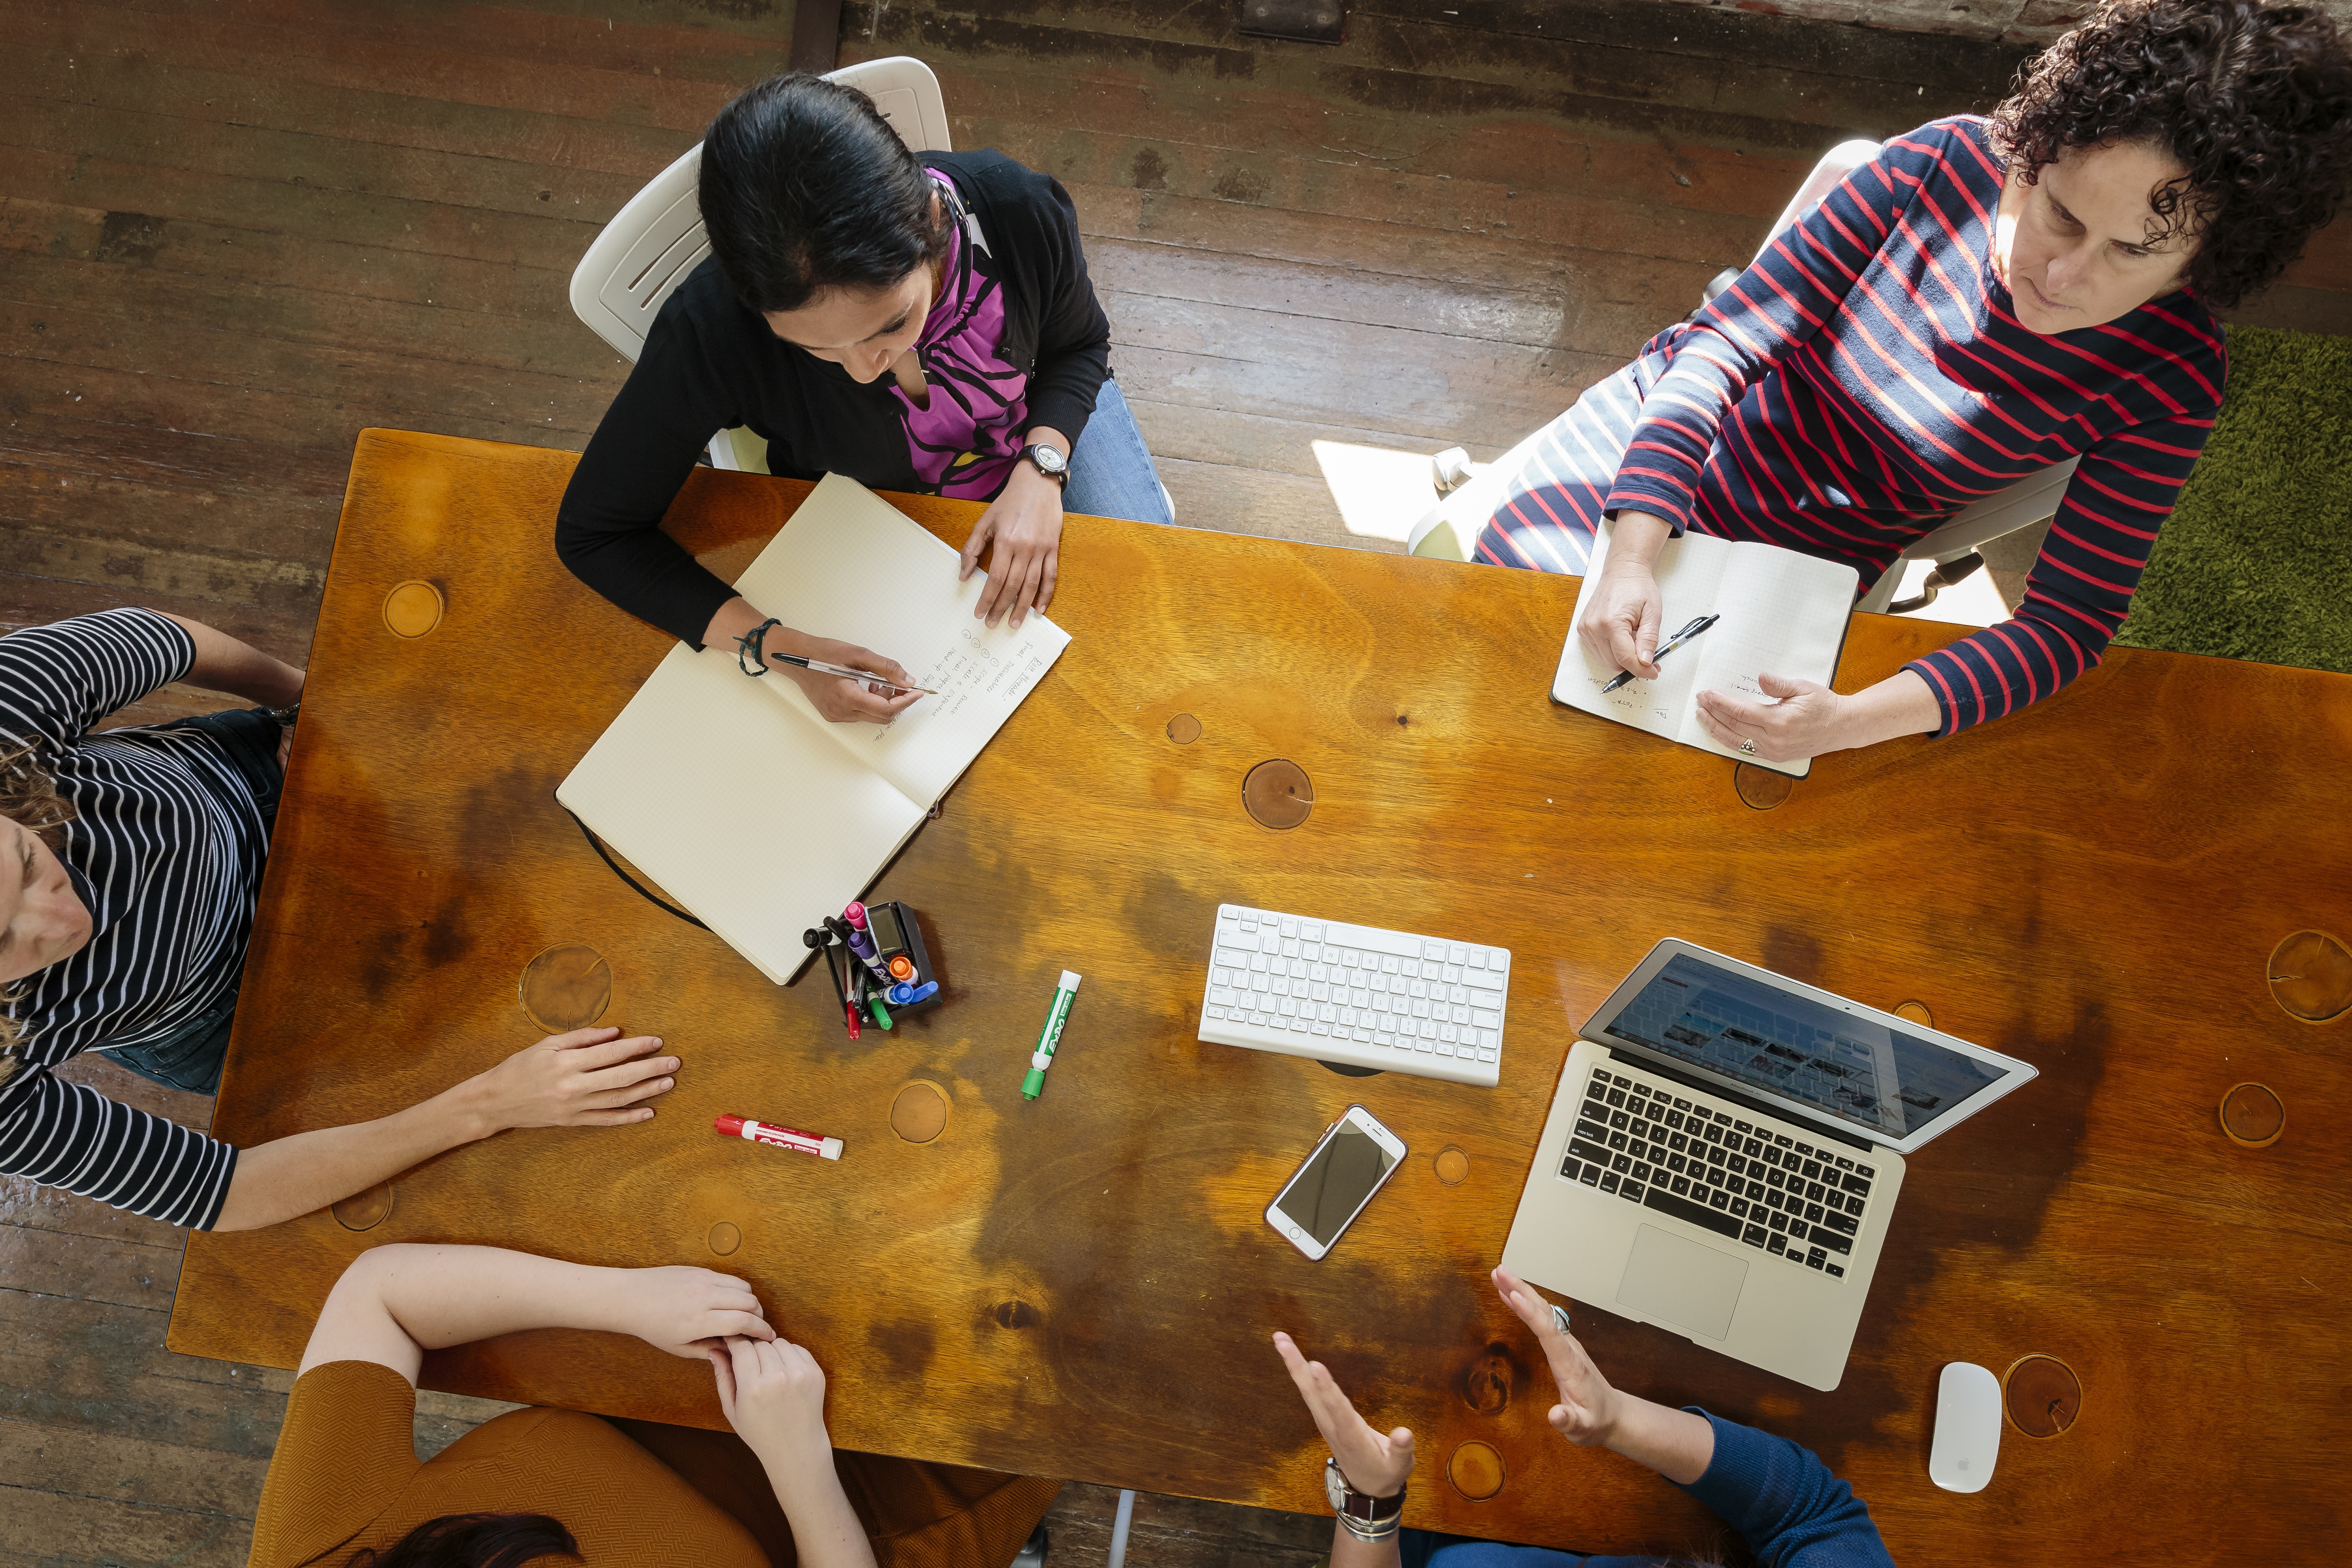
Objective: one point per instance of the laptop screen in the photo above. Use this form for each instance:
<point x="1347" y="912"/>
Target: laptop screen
<point x="1890" y="1082"/>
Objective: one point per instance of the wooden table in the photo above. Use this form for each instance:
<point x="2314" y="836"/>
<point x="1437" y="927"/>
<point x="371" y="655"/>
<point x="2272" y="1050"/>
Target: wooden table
<point x="1082" y="1286"/>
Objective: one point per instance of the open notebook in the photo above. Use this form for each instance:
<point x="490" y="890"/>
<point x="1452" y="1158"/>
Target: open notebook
<point x="747" y="807"/>
<point x="1781" y="611"/>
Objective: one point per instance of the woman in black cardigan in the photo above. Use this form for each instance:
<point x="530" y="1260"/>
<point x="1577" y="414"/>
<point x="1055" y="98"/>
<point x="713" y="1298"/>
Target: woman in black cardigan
<point x="921" y="324"/>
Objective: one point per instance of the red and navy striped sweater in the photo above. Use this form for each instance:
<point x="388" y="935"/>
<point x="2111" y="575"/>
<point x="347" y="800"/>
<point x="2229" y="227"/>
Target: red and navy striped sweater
<point x="1867" y="377"/>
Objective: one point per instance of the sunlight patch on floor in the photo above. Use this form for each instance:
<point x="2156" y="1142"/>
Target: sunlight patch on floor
<point x="1380" y="492"/>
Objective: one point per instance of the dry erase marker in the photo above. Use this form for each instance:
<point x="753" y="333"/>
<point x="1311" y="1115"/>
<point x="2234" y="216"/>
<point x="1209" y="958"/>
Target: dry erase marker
<point x="752" y="1132"/>
<point x="1043" y="1057"/>
<point x="861" y="940"/>
<point x="905" y="995"/>
<point x="902" y="968"/>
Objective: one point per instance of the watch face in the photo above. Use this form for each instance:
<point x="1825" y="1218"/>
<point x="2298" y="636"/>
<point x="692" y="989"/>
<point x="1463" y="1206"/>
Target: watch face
<point x="1048" y="459"/>
<point x="1334" y="1487"/>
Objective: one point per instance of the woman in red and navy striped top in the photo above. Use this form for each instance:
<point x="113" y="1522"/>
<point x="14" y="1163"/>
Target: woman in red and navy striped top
<point x="1981" y="299"/>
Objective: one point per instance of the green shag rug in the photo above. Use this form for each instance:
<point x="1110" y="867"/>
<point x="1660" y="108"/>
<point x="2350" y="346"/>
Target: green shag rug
<point x="2255" y="561"/>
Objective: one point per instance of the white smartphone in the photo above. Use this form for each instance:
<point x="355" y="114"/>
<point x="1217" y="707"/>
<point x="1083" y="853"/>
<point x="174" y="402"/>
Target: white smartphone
<point x="1354" y="1158"/>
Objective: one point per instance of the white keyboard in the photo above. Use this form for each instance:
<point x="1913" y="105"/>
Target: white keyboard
<point x="1355" y="994"/>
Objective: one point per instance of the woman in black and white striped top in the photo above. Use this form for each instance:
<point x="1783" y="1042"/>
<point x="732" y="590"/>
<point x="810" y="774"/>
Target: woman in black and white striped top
<point x="130" y="865"/>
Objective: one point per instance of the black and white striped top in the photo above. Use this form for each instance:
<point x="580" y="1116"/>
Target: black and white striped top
<point x="165" y="849"/>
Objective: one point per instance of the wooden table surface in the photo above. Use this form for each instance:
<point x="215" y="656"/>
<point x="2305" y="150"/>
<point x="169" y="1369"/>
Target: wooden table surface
<point x="1082" y="1286"/>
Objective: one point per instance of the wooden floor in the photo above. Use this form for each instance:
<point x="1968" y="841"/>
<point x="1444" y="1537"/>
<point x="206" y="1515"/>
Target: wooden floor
<point x="234" y="234"/>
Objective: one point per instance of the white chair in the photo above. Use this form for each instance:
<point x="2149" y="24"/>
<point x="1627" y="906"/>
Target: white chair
<point x="1451" y="529"/>
<point x="657" y="239"/>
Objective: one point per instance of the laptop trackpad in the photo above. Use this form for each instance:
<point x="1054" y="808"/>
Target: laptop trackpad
<point x="1694" y="1287"/>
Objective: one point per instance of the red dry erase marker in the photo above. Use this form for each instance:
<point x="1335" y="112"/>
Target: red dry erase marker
<point x="752" y="1132"/>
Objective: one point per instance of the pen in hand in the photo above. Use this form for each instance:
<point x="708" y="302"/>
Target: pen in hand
<point x="1673" y="643"/>
<point x="818" y="666"/>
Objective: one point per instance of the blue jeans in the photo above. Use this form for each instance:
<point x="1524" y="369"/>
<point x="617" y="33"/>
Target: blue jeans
<point x="190" y="1057"/>
<point x="1111" y="473"/>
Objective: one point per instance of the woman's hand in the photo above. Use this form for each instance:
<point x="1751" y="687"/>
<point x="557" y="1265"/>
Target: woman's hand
<point x="1025" y="521"/>
<point x="840" y="700"/>
<point x="1807" y="720"/>
<point x="772" y="1393"/>
<point x="1588" y="1408"/>
<point x="1619" y="625"/>
<point x="1375" y="1465"/>
<point x="589" y="1078"/>
<point x="685" y="1310"/>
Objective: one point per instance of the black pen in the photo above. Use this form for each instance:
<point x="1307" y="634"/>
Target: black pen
<point x="1673" y="643"/>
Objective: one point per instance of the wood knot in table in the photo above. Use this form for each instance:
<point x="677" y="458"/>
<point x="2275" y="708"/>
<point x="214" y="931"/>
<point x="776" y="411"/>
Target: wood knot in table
<point x="566" y="987"/>
<point x="413" y="608"/>
<point x="1015" y="1314"/>
<point x="365" y="1211"/>
<point x="1761" y="787"/>
<point x="2311" y="976"/>
<point x="1476" y="1469"/>
<point x="920" y="1113"/>
<point x="2042" y="1396"/>
<point x="1486" y="1386"/>
<point x="2252" y="1114"/>
<point x="1278" y="794"/>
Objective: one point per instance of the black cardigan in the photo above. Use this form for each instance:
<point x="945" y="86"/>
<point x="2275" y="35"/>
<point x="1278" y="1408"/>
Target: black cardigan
<point x="710" y="364"/>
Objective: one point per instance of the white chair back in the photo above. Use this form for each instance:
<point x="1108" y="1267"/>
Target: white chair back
<point x="657" y="239"/>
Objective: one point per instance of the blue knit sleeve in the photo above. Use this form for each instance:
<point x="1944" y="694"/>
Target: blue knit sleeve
<point x="1792" y="1511"/>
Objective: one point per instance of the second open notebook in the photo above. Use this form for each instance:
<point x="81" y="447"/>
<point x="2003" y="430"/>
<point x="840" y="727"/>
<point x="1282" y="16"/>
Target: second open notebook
<point x="1782" y="611"/>
<point x="746" y="806"/>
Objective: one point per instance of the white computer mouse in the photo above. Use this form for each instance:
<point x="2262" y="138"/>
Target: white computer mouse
<point x="1968" y="1428"/>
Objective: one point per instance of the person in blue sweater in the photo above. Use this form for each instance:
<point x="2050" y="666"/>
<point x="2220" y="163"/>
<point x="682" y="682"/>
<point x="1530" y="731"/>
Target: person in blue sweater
<point x="1794" y="1513"/>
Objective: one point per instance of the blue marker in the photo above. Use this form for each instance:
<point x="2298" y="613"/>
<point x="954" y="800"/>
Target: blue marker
<point x="903" y="996"/>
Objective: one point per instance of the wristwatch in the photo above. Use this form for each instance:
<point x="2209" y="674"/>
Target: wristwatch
<point x="1049" y="462"/>
<point x="1372" y="1518"/>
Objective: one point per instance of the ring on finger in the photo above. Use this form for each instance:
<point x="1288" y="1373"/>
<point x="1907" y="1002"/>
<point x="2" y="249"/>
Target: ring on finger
<point x="1746" y="747"/>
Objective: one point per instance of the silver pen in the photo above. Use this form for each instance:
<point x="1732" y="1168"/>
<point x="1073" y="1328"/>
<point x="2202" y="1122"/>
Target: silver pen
<point x="818" y="666"/>
<point x="1677" y="641"/>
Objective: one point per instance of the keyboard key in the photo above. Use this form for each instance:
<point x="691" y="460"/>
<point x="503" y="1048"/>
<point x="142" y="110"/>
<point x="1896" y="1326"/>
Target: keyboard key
<point x="1812" y="1214"/>
<point x="1843" y="1163"/>
<point x="1816" y="1257"/>
<point x="1632" y="1190"/>
<point x="1641" y="1172"/>
<point x="1588" y="1127"/>
<point x="1717" y="1198"/>
<point x="1622" y="1164"/>
<point x="1854" y="1207"/>
<point x="1609" y="1180"/>
<point x="1776" y="1219"/>
<point x="1833" y="1271"/>
<point x="1812" y="1171"/>
<point x="1830" y="1239"/>
<point x="1756" y="1191"/>
<point x="1755" y="1235"/>
<point x="1591" y="1175"/>
<point x="1844" y="1225"/>
<point x="1682" y="1185"/>
<point x="1569" y="1167"/>
<point x="1857" y="1184"/>
<point x="1813" y="1193"/>
<point x="1774" y="1242"/>
<point x="1601" y="1076"/>
<point x="1666" y="1203"/>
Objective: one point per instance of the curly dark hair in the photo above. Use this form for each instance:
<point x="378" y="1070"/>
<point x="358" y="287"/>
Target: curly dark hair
<point x="2253" y="100"/>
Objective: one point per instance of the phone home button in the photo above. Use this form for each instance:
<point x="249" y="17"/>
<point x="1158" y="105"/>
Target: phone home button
<point x="1297" y="1233"/>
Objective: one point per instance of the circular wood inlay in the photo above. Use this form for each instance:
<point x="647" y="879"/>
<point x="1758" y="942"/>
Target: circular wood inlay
<point x="413" y="608"/>
<point x="1916" y="1012"/>
<point x="920" y="1113"/>
<point x="2252" y="1114"/>
<point x="367" y="1210"/>
<point x="1476" y="1469"/>
<point x="1453" y="1165"/>
<point x="724" y="1239"/>
<point x="1183" y="728"/>
<point x="1761" y="787"/>
<point x="1278" y="794"/>
<point x="566" y="987"/>
<point x="2311" y="976"/>
<point x="2042" y="1396"/>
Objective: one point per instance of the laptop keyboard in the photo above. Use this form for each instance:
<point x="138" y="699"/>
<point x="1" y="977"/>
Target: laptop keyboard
<point x="1647" y="1142"/>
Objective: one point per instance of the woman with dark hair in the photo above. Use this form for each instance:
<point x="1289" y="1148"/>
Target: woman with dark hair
<point x="1982" y="300"/>
<point x="130" y="864"/>
<point x="1785" y="1503"/>
<point x="916" y="323"/>
<point x="345" y="1487"/>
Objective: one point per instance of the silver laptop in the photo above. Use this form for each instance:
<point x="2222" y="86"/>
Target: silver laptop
<point x="1723" y="1152"/>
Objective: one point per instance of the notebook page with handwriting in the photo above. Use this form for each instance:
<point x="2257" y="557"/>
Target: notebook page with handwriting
<point x="737" y="808"/>
<point x="1780" y="611"/>
<point x="850" y="566"/>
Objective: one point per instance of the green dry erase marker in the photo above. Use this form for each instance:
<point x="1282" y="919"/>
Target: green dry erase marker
<point x="1043" y="1057"/>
